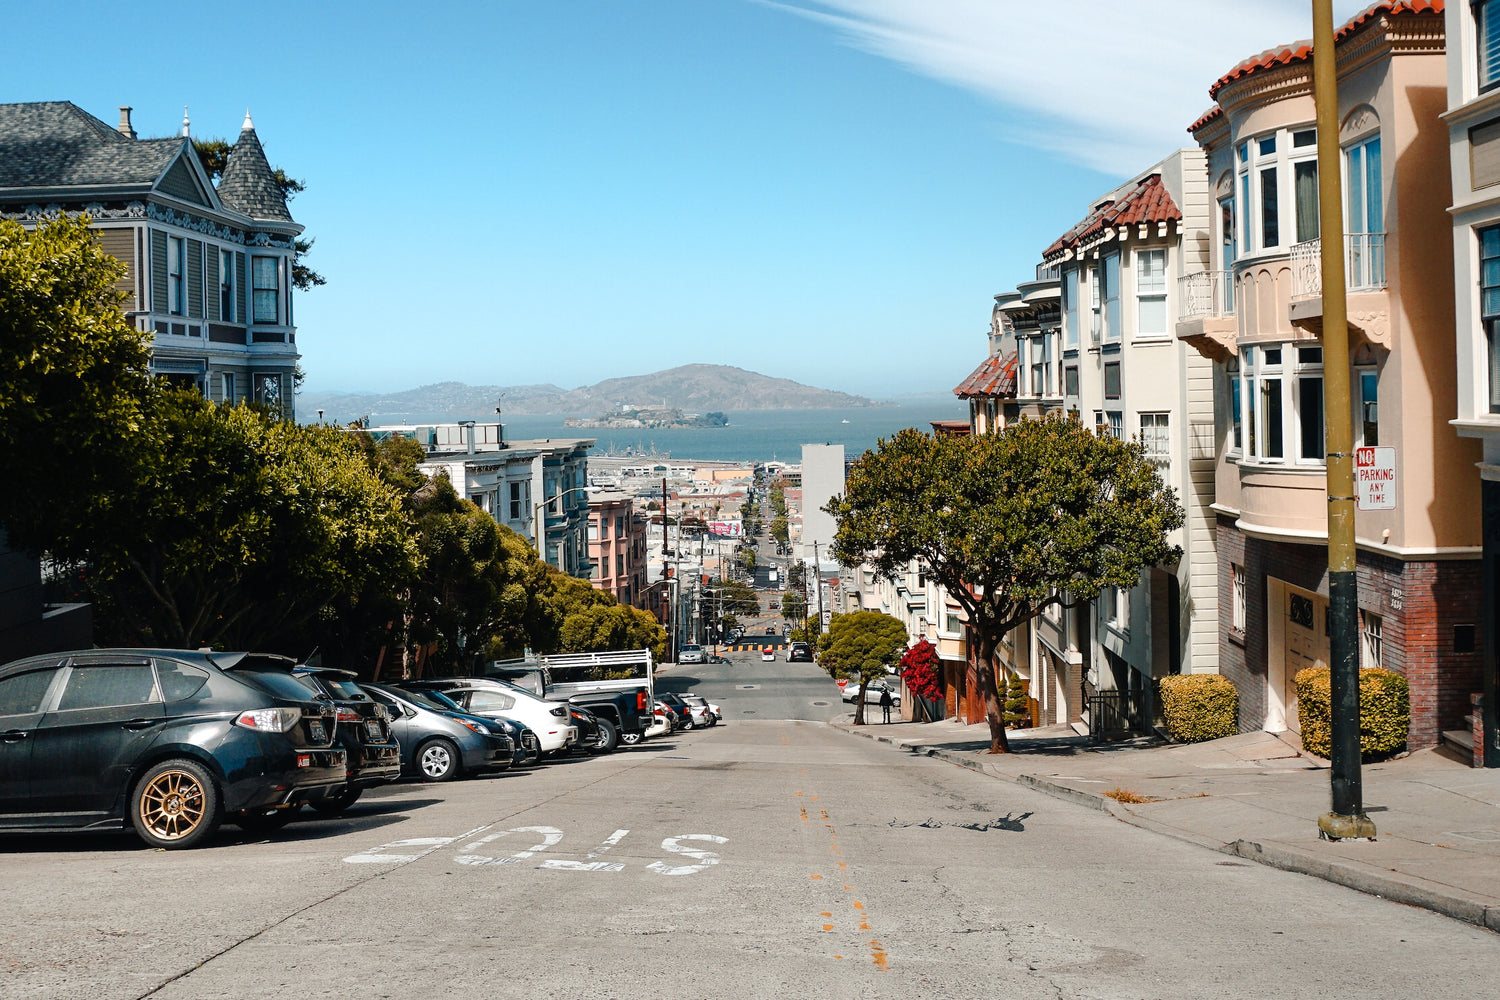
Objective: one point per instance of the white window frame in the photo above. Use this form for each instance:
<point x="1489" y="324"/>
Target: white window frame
<point x="1111" y="296"/>
<point x="226" y="286"/>
<point x="176" y="275"/>
<point x="1371" y="640"/>
<point x="1156" y="438"/>
<point x="1070" y="308"/>
<point x="1150" y="267"/>
<point x="257" y="288"/>
<point x="1237" y="597"/>
<point x="1288" y="373"/>
<point x="226" y="388"/>
<point x="1117" y="608"/>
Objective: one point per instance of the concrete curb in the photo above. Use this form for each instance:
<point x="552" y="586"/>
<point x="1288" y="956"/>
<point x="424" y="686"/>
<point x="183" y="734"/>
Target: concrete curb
<point x="1350" y="874"/>
<point x="1353" y="875"/>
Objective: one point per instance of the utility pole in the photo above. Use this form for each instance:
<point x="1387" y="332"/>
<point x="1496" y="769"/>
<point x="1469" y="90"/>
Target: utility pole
<point x="1347" y="820"/>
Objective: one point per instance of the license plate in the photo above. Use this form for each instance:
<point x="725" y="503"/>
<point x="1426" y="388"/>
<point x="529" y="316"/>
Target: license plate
<point x="316" y="732"/>
<point x="372" y="727"/>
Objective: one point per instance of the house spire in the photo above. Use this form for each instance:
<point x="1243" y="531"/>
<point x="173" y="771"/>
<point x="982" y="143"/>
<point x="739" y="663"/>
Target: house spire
<point x="186" y="126"/>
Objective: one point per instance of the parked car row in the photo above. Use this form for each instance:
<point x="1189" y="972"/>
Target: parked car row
<point x="172" y="743"/>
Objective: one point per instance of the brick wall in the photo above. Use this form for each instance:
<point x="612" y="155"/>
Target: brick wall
<point x="1420" y="603"/>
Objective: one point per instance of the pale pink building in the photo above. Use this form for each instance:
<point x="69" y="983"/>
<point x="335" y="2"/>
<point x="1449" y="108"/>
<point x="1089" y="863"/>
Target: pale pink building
<point x="617" y="546"/>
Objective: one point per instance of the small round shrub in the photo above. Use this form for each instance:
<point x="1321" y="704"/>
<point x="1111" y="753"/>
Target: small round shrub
<point x="1384" y="712"/>
<point x="1198" y="707"/>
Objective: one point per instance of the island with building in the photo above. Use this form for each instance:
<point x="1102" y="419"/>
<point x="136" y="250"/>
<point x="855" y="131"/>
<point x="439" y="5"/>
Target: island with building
<point x="653" y="417"/>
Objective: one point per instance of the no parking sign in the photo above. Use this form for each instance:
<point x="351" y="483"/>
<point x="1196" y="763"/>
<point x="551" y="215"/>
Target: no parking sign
<point x="1375" y="478"/>
<point x="843" y="683"/>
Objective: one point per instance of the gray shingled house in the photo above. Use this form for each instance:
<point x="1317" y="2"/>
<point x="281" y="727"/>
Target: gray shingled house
<point x="208" y="269"/>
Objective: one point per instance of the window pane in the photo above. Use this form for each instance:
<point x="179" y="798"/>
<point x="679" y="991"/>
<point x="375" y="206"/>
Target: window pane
<point x="1153" y="315"/>
<point x="1234" y="412"/>
<point x="1369" y="407"/>
<point x="1246" y="243"/>
<point x="1487" y="24"/>
<point x="1307" y="137"/>
<point x="178" y="680"/>
<point x="21" y="694"/>
<point x="1310" y="411"/>
<point x="1112" y="380"/>
<point x="1112" y="296"/>
<point x="1271" y="392"/>
<point x="1070" y="374"/>
<point x="108" y="685"/>
<point x="1268" y="145"/>
<point x="1270" y="232"/>
<point x="1070" y="307"/>
<point x="1305" y="183"/>
<point x="1151" y="272"/>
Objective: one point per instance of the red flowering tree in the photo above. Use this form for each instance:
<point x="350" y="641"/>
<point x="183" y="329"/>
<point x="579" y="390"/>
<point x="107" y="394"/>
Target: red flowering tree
<point x="919" y="670"/>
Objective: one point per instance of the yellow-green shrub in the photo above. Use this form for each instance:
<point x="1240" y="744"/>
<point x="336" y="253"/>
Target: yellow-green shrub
<point x="1199" y="707"/>
<point x="1384" y="711"/>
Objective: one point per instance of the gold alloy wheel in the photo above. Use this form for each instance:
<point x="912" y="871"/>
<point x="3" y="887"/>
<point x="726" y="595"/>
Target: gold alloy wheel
<point x="172" y="805"/>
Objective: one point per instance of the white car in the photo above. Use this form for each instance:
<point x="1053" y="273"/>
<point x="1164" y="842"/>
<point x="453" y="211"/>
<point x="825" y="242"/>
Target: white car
<point x="692" y="654"/>
<point x="872" y="693"/>
<point x="550" y="720"/>
<point x="714" y="715"/>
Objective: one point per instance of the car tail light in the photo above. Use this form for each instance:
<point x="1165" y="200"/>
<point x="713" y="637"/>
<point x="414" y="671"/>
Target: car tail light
<point x="559" y="711"/>
<point x="640" y="701"/>
<point x="348" y="714"/>
<point x="270" y="720"/>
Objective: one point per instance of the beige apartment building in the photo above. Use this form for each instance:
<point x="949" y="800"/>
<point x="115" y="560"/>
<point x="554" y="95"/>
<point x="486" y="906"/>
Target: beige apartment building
<point x="1473" y="119"/>
<point x="1257" y="314"/>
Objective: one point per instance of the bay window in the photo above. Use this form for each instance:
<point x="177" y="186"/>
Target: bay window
<point x="265" y="273"/>
<point x="1366" y="214"/>
<point x="1277" y="399"/>
<point x="1157" y="440"/>
<point x="1110" y="278"/>
<point x="1278" y="179"/>
<point x="1489" y="306"/>
<point x="1070" y="309"/>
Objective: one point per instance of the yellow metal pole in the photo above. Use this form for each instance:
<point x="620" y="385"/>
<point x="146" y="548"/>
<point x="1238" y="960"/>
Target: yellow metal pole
<point x="1347" y="819"/>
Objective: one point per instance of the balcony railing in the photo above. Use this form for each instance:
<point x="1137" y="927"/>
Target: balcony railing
<point x="1207" y="293"/>
<point x="1364" y="265"/>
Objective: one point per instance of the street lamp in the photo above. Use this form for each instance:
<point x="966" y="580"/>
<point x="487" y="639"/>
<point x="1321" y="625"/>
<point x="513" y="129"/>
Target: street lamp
<point x="539" y="536"/>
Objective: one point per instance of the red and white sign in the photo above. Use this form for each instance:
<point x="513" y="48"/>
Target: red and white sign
<point x="1375" y="478"/>
<point x="843" y="683"/>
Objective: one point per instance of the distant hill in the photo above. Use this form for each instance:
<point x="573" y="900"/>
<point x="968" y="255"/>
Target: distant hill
<point x="694" y="388"/>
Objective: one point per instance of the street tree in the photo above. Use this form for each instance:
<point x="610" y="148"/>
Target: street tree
<point x="239" y="530"/>
<point x="793" y="605"/>
<point x="74" y="384"/>
<point x="1043" y="514"/>
<point x="863" y="645"/>
<point x="604" y="627"/>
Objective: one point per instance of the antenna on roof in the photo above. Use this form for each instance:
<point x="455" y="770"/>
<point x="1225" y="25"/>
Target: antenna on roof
<point x="186" y="128"/>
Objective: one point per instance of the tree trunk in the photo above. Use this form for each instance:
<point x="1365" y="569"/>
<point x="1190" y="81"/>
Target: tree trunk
<point x="994" y="708"/>
<point x="859" y="704"/>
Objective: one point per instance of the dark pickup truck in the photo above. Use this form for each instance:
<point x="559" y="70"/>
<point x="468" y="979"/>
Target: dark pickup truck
<point x="616" y="686"/>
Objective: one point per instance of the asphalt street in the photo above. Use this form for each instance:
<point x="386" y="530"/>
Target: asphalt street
<point x="769" y="856"/>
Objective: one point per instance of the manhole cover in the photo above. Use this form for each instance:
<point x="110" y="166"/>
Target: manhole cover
<point x="748" y="711"/>
<point x="749" y="687"/>
<point x="820" y="704"/>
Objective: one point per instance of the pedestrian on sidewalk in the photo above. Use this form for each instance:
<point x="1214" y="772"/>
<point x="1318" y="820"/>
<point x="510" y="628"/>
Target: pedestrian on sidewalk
<point x="885" y="703"/>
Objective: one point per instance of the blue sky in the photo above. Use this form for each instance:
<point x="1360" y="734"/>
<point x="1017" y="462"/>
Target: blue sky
<point x="527" y="191"/>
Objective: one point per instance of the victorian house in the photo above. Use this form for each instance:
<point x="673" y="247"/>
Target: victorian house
<point x="208" y="269"/>
<point x="1255" y="310"/>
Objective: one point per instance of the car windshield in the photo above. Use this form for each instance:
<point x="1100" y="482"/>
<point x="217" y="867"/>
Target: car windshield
<point x="339" y="686"/>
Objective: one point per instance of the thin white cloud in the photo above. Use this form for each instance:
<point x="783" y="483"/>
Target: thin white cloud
<point x="1110" y="84"/>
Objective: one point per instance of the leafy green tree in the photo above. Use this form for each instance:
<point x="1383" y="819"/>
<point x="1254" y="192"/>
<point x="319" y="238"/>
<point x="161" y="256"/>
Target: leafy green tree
<point x="862" y="644"/>
<point x="1044" y="513"/>
<point x="74" y="385"/>
<point x="237" y="530"/>
<point x="793" y="605"/>
<point x="600" y="628"/>
<point x="779" y="529"/>
<point x="747" y="559"/>
<point x="214" y="155"/>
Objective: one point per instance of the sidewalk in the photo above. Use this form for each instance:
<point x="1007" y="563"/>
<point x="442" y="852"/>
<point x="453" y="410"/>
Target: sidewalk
<point x="1258" y="797"/>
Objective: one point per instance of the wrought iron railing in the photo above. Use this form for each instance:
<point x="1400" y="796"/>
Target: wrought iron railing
<point x="1118" y="714"/>
<point x="1207" y="293"/>
<point x="1364" y="265"/>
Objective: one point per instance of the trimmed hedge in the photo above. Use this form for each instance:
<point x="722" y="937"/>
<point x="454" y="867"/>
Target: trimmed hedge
<point x="1198" y="707"/>
<point x="1384" y="712"/>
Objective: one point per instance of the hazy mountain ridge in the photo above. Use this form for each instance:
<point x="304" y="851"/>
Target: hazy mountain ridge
<point x="694" y="388"/>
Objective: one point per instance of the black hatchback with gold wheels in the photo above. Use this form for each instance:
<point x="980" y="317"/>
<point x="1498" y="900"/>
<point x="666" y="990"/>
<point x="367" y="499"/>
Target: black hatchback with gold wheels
<point x="169" y="743"/>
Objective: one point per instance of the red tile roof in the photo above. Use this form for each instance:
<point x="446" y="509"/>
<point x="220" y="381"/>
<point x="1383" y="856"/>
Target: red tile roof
<point x="951" y="428"/>
<point x="994" y="377"/>
<point x="1301" y="51"/>
<point x="1147" y="202"/>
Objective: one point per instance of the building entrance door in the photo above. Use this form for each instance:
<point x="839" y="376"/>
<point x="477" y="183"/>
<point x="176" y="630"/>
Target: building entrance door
<point x="1306" y="645"/>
